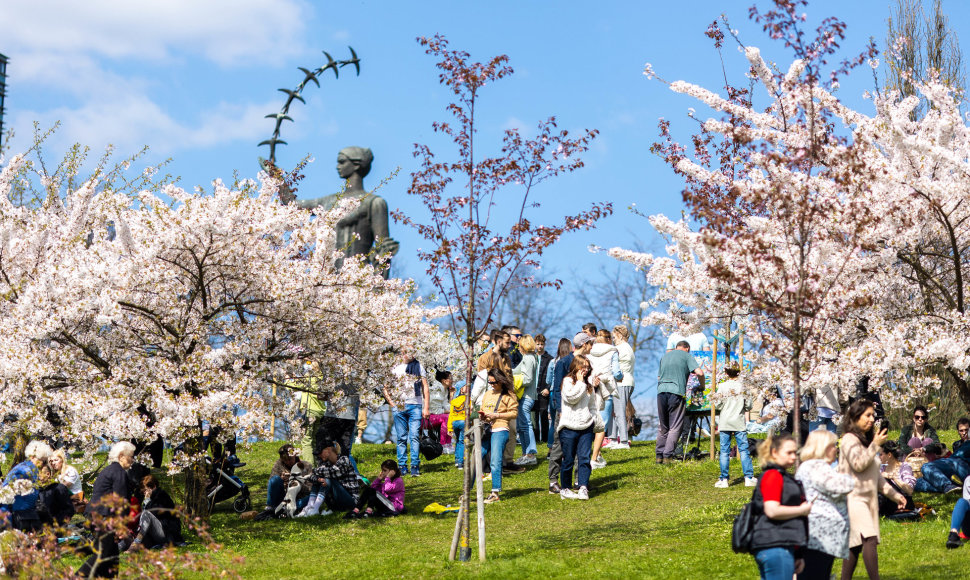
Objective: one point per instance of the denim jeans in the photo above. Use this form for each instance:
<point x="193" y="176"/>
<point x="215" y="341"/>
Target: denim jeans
<point x="937" y="474"/>
<point x="621" y="431"/>
<point x="607" y="414"/>
<point x="276" y="491"/>
<point x="575" y="443"/>
<point x="336" y="496"/>
<point x="741" y="438"/>
<point x="495" y="444"/>
<point x="959" y="519"/>
<point x="458" y="427"/>
<point x="551" y="437"/>
<point x="407" y="425"/>
<point x="527" y="437"/>
<point x="775" y="563"/>
<point x="829" y="425"/>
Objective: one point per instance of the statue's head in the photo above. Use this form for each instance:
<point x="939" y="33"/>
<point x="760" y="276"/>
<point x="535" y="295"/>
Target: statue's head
<point x="361" y="157"/>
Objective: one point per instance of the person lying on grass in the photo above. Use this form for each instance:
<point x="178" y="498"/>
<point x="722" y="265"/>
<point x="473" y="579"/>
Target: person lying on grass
<point x="385" y="496"/>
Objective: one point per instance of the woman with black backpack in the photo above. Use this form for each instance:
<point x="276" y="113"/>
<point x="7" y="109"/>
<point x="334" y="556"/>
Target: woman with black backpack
<point x="780" y="530"/>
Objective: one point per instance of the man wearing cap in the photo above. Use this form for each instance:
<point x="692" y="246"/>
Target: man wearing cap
<point x="675" y="366"/>
<point x="279" y="478"/>
<point x="336" y="482"/>
<point x="582" y="344"/>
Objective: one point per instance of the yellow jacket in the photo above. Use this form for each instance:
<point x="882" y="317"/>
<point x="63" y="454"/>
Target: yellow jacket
<point x="457" y="412"/>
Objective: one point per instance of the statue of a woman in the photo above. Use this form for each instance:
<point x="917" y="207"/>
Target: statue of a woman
<point x="369" y="220"/>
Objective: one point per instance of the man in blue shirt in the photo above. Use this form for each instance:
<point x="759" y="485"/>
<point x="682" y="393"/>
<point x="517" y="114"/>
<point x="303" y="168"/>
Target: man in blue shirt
<point x="675" y="366"/>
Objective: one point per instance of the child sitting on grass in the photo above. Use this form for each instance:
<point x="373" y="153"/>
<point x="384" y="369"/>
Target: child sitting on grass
<point x="384" y="496"/>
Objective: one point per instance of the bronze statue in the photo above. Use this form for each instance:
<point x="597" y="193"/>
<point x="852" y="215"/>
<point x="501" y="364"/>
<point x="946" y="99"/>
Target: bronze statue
<point x="365" y="228"/>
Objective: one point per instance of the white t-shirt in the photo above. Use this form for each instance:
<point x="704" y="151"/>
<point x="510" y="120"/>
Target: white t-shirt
<point x="698" y="341"/>
<point x="401" y="370"/>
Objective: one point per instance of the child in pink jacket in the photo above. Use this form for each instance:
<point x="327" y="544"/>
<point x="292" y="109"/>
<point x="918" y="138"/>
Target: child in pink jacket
<point x="384" y="496"/>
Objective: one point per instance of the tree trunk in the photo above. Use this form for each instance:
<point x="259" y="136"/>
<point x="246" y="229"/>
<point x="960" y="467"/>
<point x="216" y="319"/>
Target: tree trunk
<point x="196" y="502"/>
<point x="963" y="388"/>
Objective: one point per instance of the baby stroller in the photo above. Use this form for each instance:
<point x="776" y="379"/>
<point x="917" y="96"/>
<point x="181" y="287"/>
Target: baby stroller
<point x="223" y="483"/>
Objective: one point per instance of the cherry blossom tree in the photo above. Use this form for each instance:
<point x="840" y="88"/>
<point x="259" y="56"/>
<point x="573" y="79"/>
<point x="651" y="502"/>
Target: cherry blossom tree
<point x="147" y="316"/>
<point x="840" y="236"/>
<point x="479" y="226"/>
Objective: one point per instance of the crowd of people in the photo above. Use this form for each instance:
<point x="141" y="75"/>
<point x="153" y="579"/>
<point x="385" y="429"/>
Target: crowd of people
<point x="47" y="491"/>
<point x="578" y="403"/>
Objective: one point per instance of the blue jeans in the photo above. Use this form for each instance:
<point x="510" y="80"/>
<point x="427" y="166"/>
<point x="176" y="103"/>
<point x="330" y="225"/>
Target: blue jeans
<point x="575" y="443"/>
<point x="959" y="519"/>
<point x="459" y="429"/>
<point x="551" y="438"/>
<point x="336" y="496"/>
<point x="937" y="474"/>
<point x="407" y="425"/>
<point x="829" y="425"/>
<point x="775" y="563"/>
<point x="523" y="425"/>
<point x="741" y="438"/>
<point x="496" y="444"/>
<point x="276" y="491"/>
<point x="607" y="413"/>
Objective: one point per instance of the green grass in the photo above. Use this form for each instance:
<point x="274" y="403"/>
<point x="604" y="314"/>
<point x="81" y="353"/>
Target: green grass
<point x="642" y="521"/>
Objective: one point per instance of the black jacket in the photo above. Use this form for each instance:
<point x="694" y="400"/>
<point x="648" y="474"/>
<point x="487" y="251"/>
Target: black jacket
<point x="113" y="479"/>
<point x="770" y="533"/>
<point x="162" y="506"/>
<point x="544" y="361"/>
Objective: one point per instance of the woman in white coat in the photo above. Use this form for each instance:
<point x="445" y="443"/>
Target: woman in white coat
<point x="619" y="435"/>
<point x="605" y="361"/>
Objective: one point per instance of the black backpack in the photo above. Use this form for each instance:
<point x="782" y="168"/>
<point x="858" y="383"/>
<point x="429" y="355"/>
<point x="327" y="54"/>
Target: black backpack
<point x="742" y="531"/>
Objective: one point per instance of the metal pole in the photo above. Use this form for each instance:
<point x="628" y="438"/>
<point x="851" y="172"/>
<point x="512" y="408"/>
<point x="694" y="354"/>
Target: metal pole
<point x="479" y="489"/>
<point x="713" y="386"/>
<point x="272" y="426"/>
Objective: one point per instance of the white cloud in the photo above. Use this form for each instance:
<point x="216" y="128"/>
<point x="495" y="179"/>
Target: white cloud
<point x="227" y="32"/>
<point x="131" y="121"/>
<point x="102" y="68"/>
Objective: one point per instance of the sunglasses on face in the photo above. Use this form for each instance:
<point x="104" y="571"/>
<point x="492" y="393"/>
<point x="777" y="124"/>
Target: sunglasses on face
<point x="514" y="335"/>
<point x="491" y="382"/>
<point x="919" y="417"/>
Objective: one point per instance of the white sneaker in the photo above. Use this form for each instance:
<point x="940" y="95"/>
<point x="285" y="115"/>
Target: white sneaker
<point x="358" y="441"/>
<point x="721" y="483"/>
<point x="608" y="444"/>
<point x="325" y="512"/>
<point x="567" y="493"/>
<point x="750" y="481"/>
<point x="621" y="446"/>
<point x="583" y="493"/>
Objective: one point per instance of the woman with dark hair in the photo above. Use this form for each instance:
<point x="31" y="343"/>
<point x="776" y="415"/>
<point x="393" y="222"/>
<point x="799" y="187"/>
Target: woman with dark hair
<point x="563" y="350"/>
<point x="442" y="391"/>
<point x="158" y="524"/>
<point x="859" y="449"/>
<point x="898" y="474"/>
<point x="385" y="494"/>
<point x="499" y="406"/>
<point x="780" y="530"/>
<point x="918" y="434"/>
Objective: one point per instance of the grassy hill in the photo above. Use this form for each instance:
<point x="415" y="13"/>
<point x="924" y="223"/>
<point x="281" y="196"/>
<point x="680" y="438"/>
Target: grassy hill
<point x="642" y="521"/>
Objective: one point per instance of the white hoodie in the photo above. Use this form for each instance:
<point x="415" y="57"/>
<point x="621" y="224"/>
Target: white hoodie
<point x="602" y="358"/>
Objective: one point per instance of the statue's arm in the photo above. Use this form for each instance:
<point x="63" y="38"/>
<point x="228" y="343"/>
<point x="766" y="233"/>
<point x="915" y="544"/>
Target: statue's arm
<point x="379" y="226"/>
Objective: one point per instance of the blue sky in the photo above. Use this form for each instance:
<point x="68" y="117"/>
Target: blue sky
<point x="193" y="80"/>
